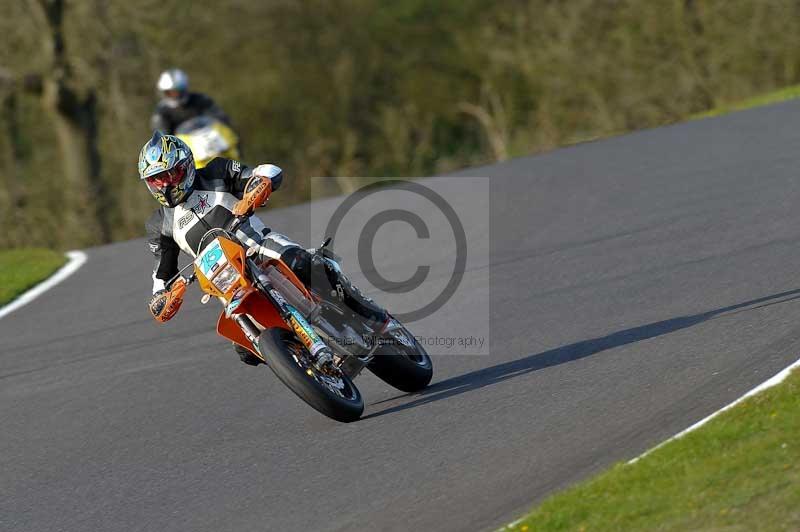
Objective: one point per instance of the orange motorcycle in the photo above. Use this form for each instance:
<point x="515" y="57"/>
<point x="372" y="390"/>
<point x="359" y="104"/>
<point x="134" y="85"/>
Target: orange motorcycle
<point x="316" y="347"/>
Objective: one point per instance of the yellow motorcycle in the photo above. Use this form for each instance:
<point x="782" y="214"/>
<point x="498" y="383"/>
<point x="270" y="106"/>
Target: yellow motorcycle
<point x="208" y="137"/>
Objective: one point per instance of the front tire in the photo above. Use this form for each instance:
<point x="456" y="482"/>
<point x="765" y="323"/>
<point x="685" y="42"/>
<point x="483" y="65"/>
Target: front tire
<point x="334" y="396"/>
<point x="407" y="368"/>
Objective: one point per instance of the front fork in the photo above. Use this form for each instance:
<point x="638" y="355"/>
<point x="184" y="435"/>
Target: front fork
<point x="249" y="329"/>
<point x="321" y="353"/>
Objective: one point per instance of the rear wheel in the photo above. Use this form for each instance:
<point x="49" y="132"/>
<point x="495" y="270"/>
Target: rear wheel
<point x="331" y="393"/>
<point x="402" y="362"/>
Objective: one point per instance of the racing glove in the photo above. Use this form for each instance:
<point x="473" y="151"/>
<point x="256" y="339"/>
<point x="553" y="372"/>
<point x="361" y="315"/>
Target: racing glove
<point x="165" y="303"/>
<point x="256" y="194"/>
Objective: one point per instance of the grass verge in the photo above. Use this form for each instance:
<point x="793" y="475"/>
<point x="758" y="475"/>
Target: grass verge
<point x="781" y="95"/>
<point x="740" y="471"/>
<point x="21" y="269"/>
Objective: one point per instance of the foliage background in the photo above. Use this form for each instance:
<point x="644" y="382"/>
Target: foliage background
<point x="351" y="87"/>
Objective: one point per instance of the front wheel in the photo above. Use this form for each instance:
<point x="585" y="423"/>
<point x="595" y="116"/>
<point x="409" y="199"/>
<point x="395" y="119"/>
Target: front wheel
<point x="402" y="362"/>
<point x="330" y="393"/>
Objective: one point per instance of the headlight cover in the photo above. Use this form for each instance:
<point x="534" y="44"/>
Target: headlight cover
<point x="226" y="278"/>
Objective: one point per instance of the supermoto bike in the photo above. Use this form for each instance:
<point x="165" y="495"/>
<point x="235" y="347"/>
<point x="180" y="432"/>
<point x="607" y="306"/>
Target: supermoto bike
<point x="208" y="138"/>
<point x="316" y="347"/>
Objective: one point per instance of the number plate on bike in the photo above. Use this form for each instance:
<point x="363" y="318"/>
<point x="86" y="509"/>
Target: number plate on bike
<point x="211" y="258"/>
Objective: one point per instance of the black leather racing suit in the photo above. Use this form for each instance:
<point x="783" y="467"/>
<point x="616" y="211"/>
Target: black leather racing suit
<point x="216" y="189"/>
<point x="167" y="118"/>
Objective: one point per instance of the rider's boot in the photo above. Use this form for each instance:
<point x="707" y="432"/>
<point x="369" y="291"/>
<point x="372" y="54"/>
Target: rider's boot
<point x="246" y="356"/>
<point x="326" y="277"/>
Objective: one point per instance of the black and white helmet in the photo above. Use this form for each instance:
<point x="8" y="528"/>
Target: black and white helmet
<point x="173" y="87"/>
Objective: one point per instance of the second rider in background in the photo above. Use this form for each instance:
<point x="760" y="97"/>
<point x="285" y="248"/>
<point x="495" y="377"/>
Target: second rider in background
<point x="177" y="104"/>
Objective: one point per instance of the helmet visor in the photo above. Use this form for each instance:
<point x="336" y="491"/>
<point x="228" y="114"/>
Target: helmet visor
<point x="168" y="178"/>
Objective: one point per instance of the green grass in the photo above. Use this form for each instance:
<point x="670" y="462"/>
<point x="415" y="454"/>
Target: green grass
<point x="740" y="471"/>
<point x="781" y="95"/>
<point x="21" y="269"/>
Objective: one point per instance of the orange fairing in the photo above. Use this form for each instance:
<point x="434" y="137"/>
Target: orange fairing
<point x="220" y="270"/>
<point x="207" y="273"/>
<point x="259" y="309"/>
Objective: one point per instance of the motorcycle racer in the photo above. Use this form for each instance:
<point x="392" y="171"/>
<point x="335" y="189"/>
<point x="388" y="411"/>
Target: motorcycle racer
<point x="196" y="200"/>
<point x="177" y="104"/>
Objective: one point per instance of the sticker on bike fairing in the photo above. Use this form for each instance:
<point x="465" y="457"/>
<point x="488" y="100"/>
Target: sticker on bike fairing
<point x="236" y="300"/>
<point x="307" y="335"/>
<point x="277" y="296"/>
<point x="211" y="258"/>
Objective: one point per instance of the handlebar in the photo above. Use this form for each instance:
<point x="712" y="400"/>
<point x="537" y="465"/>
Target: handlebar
<point x="189" y="280"/>
<point x="234" y="224"/>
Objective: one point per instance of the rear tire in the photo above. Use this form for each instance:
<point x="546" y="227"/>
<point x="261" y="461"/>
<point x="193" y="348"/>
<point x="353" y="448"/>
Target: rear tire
<point x="408" y="369"/>
<point x="288" y="358"/>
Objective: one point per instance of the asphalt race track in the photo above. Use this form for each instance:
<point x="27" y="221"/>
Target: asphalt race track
<point x="630" y="287"/>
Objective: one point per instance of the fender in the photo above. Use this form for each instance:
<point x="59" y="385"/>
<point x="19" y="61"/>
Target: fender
<point x="260" y="309"/>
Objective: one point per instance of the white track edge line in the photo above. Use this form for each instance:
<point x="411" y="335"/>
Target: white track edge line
<point x="76" y="260"/>
<point x="769" y="383"/>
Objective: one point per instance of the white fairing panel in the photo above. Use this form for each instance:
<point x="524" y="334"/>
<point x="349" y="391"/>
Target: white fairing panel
<point x="200" y="203"/>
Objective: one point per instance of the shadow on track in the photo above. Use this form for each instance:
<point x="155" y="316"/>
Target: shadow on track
<point x="561" y="355"/>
